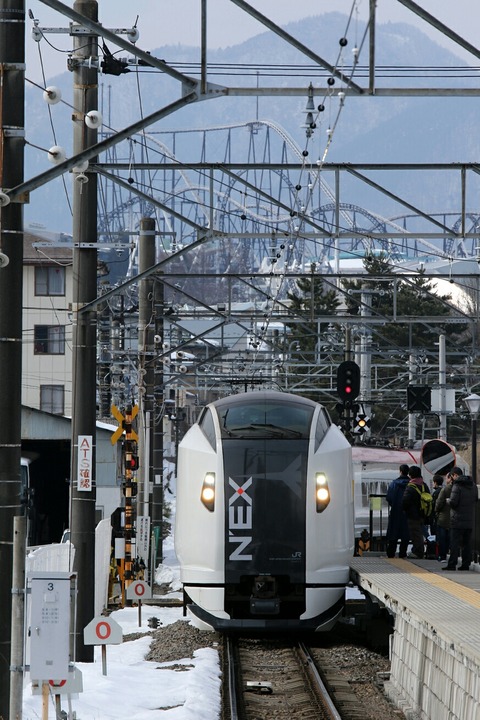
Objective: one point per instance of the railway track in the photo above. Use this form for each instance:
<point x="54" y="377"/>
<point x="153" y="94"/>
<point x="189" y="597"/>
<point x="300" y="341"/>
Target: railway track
<point x="266" y="679"/>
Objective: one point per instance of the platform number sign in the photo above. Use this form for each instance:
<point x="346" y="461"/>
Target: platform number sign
<point x="139" y="590"/>
<point x="102" y="631"/>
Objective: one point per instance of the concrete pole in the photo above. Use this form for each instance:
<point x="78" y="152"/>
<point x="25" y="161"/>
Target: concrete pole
<point x="146" y="330"/>
<point x="12" y="141"/>
<point x="412" y="418"/>
<point x="85" y="99"/>
<point x="18" y="610"/>
<point x="442" y="381"/>
<point x="366" y="354"/>
<point x="157" y="423"/>
<point x="105" y="362"/>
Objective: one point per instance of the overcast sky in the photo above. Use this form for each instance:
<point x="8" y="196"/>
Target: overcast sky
<point x="163" y="22"/>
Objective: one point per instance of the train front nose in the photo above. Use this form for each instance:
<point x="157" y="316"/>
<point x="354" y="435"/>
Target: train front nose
<point x="265" y="528"/>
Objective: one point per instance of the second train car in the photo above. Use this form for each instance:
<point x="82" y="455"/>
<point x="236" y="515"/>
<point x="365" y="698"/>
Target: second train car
<point x="264" y="517"/>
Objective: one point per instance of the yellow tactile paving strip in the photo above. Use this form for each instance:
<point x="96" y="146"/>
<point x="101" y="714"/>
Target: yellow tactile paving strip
<point x="462" y="593"/>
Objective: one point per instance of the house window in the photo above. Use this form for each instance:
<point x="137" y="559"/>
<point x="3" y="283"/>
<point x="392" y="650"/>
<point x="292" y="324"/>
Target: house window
<point x="52" y="399"/>
<point x="50" y="280"/>
<point x="49" y="340"/>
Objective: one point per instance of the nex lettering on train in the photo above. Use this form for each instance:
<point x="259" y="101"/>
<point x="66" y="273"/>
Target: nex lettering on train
<point x="240" y="519"/>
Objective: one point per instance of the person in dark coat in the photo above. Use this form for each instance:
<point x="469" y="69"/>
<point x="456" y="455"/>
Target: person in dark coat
<point x="397" y="528"/>
<point x="437" y="486"/>
<point x="462" y="503"/>
<point x="430" y="530"/>
<point x="442" y="518"/>
<point x="411" y="506"/>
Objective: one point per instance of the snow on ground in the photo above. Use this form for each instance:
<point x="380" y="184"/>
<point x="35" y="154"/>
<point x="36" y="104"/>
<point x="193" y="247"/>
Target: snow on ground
<point x="134" y="689"/>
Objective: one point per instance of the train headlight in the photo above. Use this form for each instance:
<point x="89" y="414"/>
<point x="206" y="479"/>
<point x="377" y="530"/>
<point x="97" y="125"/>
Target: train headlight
<point x="208" y="491"/>
<point x="322" y="493"/>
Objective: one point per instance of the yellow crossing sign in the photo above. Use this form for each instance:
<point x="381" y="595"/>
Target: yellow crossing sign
<point x="125" y="425"/>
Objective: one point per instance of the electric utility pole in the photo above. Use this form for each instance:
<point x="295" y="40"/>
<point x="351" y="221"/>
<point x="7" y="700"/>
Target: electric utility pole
<point x="157" y="424"/>
<point x="83" y="482"/>
<point x="146" y="329"/>
<point x="12" y="140"/>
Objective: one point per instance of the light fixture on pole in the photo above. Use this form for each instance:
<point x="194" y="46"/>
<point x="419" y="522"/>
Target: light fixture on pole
<point x="473" y="405"/>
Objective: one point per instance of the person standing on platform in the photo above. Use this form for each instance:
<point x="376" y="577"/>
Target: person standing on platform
<point x="462" y="503"/>
<point x="437" y="486"/>
<point x="442" y="518"/>
<point x="411" y="504"/>
<point x="397" y="528"/>
<point x="431" y="538"/>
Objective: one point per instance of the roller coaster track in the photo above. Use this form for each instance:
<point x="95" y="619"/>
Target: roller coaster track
<point x="347" y="226"/>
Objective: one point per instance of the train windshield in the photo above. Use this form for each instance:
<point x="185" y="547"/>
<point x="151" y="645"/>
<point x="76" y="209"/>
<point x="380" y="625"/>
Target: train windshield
<point x="270" y="419"/>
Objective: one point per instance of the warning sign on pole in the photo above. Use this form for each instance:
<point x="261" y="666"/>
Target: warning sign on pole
<point x="72" y="685"/>
<point x="125" y="425"/>
<point x="139" y="590"/>
<point x="143" y="537"/>
<point x="84" y="463"/>
<point x="102" y="631"/>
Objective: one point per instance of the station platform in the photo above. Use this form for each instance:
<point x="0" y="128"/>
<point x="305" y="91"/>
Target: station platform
<point x="435" y="646"/>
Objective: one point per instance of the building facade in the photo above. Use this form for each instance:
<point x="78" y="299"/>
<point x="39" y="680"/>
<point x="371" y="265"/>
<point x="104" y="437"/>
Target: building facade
<point x="47" y="327"/>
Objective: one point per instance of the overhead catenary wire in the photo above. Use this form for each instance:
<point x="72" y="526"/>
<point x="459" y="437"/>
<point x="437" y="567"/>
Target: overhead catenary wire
<point x="307" y="165"/>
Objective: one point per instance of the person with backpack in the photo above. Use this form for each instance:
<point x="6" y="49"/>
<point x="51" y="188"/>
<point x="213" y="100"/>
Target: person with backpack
<point x="417" y="504"/>
<point x="462" y="501"/>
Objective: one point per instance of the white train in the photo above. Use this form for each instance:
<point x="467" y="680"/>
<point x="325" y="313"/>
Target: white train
<point x="264" y="520"/>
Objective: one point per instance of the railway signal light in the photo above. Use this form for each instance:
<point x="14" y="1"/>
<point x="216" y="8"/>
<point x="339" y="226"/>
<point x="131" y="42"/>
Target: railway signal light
<point x="362" y="424"/>
<point x="419" y="398"/>
<point x="348" y="380"/>
<point x="130" y="490"/>
<point x="131" y="461"/>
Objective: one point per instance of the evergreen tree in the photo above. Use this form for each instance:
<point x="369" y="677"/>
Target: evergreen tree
<point x="391" y="295"/>
<point x="312" y="298"/>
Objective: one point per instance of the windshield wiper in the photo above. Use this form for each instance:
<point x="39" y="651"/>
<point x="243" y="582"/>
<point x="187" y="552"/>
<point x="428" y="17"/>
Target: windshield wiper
<point x="276" y="430"/>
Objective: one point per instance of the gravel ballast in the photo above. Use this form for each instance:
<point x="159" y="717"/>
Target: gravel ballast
<point x="361" y="667"/>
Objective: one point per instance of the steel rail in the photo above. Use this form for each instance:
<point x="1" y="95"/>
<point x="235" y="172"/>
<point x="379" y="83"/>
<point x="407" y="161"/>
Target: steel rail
<point x="320" y="685"/>
<point x="232" y="684"/>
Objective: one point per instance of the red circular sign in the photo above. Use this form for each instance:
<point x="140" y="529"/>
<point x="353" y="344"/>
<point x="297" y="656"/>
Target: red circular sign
<point x="57" y="683"/>
<point x="103" y="630"/>
<point x="139" y="589"/>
